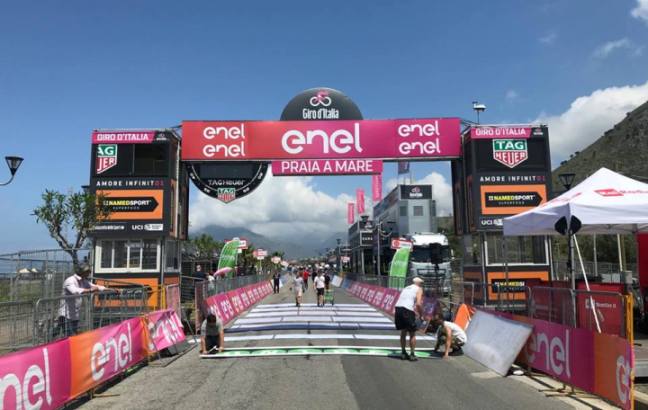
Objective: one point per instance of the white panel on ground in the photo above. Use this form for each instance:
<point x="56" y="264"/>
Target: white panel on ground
<point x="362" y="319"/>
<point x="495" y="342"/>
<point x="257" y="320"/>
<point x="315" y="336"/>
<point x="306" y="319"/>
<point x="247" y="338"/>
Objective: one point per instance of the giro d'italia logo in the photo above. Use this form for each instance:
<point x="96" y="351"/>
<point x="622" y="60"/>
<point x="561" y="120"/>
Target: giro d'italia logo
<point x="321" y="99"/>
<point x="106" y="157"/>
<point x="510" y="152"/>
<point x="226" y="194"/>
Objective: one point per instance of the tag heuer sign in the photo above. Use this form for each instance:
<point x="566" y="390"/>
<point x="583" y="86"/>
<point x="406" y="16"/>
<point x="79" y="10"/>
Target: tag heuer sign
<point x="510" y="152"/>
<point x="106" y="157"/>
<point x="226" y="194"/>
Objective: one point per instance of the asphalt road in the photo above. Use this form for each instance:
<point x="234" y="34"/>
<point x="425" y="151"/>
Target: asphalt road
<point x="319" y="382"/>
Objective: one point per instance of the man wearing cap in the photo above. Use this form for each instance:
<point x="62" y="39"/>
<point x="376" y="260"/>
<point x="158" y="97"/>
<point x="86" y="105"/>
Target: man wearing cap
<point x="408" y="305"/>
<point x="70" y="307"/>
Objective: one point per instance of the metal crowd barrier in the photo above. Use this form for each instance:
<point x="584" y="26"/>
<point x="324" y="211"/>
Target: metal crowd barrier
<point x="16" y="325"/>
<point x="63" y="316"/>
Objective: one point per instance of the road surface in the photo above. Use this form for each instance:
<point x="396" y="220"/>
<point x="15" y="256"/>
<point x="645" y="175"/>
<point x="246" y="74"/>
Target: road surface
<point x="318" y="382"/>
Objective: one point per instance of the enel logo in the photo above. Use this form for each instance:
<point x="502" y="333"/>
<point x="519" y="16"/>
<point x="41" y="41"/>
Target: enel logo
<point x="35" y="383"/>
<point x="339" y="141"/>
<point x="121" y="347"/>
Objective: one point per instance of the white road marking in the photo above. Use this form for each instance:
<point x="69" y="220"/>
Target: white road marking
<point x="362" y="319"/>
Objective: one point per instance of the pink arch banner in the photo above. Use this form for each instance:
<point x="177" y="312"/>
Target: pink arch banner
<point x="429" y="138"/>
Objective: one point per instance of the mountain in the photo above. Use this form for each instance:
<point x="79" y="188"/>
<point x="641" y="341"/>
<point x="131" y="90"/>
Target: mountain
<point x="294" y="249"/>
<point x="623" y="148"/>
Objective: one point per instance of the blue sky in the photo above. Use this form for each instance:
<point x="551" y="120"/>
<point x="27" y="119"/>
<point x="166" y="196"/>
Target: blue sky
<point x="69" y="67"/>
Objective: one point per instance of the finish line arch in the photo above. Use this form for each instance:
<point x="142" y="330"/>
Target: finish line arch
<point x="497" y="171"/>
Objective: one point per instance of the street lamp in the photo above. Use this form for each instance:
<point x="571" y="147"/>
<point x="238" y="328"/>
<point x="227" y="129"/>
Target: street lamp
<point x="380" y="235"/>
<point x="567" y="179"/>
<point x="479" y="108"/>
<point x="339" y="255"/>
<point x="13" y="163"/>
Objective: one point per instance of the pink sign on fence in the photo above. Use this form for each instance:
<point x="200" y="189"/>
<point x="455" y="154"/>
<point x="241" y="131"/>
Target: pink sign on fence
<point x="36" y="378"/>
<point x="165" y="330"/>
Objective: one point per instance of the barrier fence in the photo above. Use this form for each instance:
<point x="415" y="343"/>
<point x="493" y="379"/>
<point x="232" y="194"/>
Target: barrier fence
<point x="53" y="374"/>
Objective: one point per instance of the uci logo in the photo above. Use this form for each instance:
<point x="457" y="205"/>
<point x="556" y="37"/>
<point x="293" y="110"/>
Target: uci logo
<point x="321" y="98"/>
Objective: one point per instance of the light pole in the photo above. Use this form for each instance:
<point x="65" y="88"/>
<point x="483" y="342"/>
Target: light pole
<point x="339" y="257"/>
<point x="380" y="235"/>
<point x="13" y="163"/>
<point x="567" y="179"/>
<point x="479" y="108"/>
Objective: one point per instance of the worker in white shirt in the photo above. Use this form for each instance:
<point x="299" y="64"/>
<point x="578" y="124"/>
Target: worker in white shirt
<point x="70" y="307"/>
<point x="449" y="335"/>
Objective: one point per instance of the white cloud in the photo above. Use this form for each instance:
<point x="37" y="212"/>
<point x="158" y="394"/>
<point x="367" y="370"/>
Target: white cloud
<point x="441" y="191"/>
<point x="641" y="11"/>
<point x="604" y="50"/>
<point x="282" y="207"/>
<point x="511" y="95"/>
<point x="588" y="117"/>
<point x="549" y="38"/>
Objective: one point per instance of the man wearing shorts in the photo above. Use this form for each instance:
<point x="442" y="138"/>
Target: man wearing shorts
<point x="408" y="305"/>
<point x="320" y="285"/>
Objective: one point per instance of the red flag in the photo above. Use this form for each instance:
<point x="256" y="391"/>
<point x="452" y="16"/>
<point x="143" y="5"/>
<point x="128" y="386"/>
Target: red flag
<point x="376" y="187"/>
<point x="360" y="200"/>
<point x="350" y="215"/>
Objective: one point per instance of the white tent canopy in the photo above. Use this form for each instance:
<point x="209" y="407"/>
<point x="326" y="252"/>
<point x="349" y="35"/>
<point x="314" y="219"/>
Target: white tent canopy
<point x="605" y="203"/>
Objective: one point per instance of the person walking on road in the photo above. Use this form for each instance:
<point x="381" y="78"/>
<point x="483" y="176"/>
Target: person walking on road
<point x="320" y="285"/>
<point x="305" y="276"/>
<point x="212" y="335"/>
<point x="298" y="289"/>
<point x="275" y="278"/>
<point x="450" y="335"/>
<point x="408" y="305"/>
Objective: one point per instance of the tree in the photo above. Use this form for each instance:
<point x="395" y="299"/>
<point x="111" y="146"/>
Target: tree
<point x="69" y="218"/>
<point x="205" y="246"/>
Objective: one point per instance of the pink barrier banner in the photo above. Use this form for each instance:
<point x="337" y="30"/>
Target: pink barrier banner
<point x="596" y="362"/>
<point x="100" y="354"/>
<point x="244" y="294"/>
<point x="37" y="378"/>
<point x="345" y="139"/>
<point x="235" y="300"/>
<point x="220" y="305"/>
<point x="164" y="330"/>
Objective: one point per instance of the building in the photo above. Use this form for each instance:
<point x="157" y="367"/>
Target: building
<point x="360" y="245"/>
<point x="405" y="210"/>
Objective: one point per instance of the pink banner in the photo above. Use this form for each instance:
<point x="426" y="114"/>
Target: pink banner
<point x="350" y="213"/>
<point x="360" y="200"/>
<point x="376" y="187"/>
<point x="595" y="362"/>
<point x="36" y="378"/>
<point x="101" y="354"/>
<point x="165" y="330"/>
<point x="500" y="131"/>
<point x="235" y="299"/>
<point x="123" y="137"/>
<point x="327" y="167"/>
<point x="277" y="140"/>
